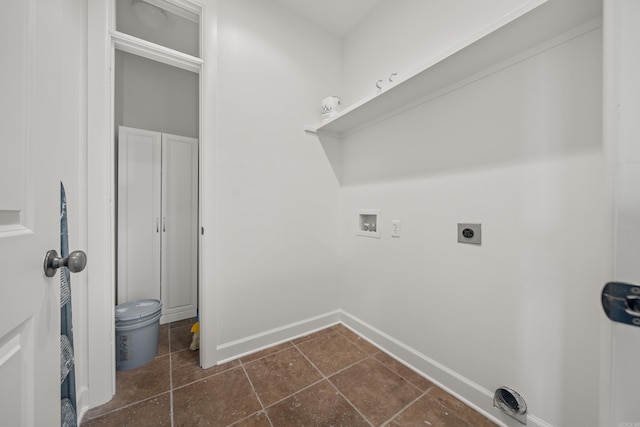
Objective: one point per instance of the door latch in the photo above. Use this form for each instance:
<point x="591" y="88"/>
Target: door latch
<point x="621" y="302"/>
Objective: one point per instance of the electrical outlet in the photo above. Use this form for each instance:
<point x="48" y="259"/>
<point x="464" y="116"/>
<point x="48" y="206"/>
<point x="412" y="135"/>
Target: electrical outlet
<point x="395" y="228"/>
<point x="470" y="233"/>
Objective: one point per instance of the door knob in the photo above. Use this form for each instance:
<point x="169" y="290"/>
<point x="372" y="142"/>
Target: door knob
<point x="75" y="262"/>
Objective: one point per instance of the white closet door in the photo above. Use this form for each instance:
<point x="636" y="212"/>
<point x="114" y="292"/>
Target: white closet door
<point x="179" y="227"/>
<point x="139" y="201"/>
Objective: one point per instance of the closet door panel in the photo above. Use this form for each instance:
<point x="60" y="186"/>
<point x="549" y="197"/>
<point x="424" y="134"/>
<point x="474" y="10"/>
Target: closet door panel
<point x="139" y="192"/>
<point x="180" y="227"/>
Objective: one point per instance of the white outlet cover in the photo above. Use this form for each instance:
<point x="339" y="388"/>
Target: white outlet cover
<point x="395" y="228"/>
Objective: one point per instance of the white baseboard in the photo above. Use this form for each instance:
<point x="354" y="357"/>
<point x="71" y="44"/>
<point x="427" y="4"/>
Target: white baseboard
<point x="181" y="315"/>
<point x="238" y="348"/>
<point x="471" y="393"/>
<point x="82" y="403"/>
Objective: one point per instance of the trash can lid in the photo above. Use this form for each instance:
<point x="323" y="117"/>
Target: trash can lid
<point x="137" y="309"/>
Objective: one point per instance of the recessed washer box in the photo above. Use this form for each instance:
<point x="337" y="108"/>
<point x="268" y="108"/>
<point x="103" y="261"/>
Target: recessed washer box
<point x="367" y="221"/>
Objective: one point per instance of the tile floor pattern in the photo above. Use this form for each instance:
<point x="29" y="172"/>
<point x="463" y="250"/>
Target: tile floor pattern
<point x="329" y="378"/>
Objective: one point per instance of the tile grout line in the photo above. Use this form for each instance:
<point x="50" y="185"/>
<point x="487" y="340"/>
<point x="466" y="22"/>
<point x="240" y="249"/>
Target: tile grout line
<point x="357" y="345"/>
<point x="298" y="347"/>
<point x="349" y="402"/>
<point x="295" y="346"/>
<point x="128" y="405"/>
<point x="303" y="388"/>
<point x="452" y="412"/>
<point x="402" y="376"/>
<point x="325" y="378"/>
<point x="206" y="377"/>
<point x="170" y="379"/>
<point x="235" y="423"/>
<point x="407" y="406"/>
<point x="369" y="356"/>
<point x="292" y="344"/>
<point x="338" y="371"/>
<point x="246" y="374"/>
<point x="293" y="394"/>
<point x="384" y="364"/>
<point x="242" y="364"/>
<point x="422" y="393"/>
<point x="239" y="359"/>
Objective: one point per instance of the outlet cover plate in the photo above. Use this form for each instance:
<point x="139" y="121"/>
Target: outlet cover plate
<point x="470" y="233"/>
<point x="395" y="228"/>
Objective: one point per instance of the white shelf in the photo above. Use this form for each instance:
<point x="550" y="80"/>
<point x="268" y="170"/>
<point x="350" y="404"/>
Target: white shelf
<point x="529" y="26"/>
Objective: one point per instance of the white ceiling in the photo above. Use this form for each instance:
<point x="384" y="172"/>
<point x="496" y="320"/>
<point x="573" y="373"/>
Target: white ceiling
<point x="336" y="16"/>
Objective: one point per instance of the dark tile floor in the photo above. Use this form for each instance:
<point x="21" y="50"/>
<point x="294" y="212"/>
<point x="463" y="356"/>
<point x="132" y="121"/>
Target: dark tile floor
<point x="329" y="378"/>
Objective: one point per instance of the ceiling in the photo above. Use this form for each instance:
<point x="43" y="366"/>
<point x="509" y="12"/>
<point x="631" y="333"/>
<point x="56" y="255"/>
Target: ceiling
<point x="335" y="16"/>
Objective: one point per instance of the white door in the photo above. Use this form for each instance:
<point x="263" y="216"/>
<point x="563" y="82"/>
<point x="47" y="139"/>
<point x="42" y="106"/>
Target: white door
<point x="139" y="216"/>
<point x="179" y="283"/>
<point x="40" y="91"/>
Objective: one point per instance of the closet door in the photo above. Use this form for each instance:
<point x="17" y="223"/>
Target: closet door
<point x="179" y="227"/>
<point x="139" y="192"/>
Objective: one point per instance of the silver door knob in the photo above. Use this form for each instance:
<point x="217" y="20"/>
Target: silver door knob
<point x="75" y="262"/>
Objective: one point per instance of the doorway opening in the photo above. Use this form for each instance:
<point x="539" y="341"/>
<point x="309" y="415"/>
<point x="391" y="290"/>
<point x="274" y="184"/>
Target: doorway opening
<point x="105" y="38"/>
<point x="156" y="70"/>
<point x="156" y="132"/>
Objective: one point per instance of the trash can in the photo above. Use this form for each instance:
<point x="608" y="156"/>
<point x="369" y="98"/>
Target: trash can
<point x="137" y="324"/>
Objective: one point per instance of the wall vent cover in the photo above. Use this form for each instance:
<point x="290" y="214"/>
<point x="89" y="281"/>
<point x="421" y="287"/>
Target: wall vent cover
<point x="511" y="403"/>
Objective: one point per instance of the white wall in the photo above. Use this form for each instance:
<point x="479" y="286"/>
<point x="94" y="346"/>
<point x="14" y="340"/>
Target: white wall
<point x="398" y="37"/>
<point x="277" y="230"/>
<point x="154" y="96"/>
<point x="176" y="33"/>
<point x="519" y="151"/>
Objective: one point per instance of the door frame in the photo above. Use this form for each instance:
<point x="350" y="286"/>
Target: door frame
<point x="609" y="143"/>
<point x="616" y="401"/>
<point x="101" y="44"/>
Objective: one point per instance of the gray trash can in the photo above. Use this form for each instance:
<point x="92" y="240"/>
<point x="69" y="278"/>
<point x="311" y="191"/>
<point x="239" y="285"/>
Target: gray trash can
<point x="137" y="324"/>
